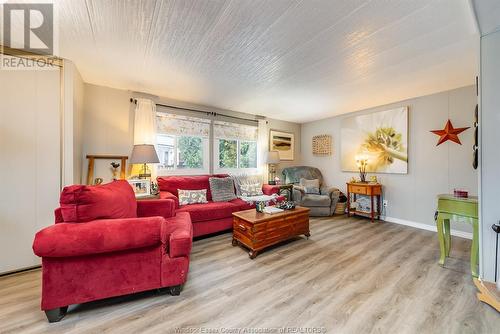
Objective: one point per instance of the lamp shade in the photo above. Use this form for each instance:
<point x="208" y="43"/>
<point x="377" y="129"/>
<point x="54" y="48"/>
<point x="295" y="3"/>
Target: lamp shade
<point x="272" y="157"/>
<point x="144" y="154"/>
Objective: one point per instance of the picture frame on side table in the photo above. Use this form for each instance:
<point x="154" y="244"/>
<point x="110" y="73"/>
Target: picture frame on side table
<point x="141" y="187"/>
<point x="283" y="142"/>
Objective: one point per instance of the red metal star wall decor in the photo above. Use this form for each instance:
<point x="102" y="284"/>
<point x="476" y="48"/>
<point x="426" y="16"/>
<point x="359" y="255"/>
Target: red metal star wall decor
<point x="449" y="133"/>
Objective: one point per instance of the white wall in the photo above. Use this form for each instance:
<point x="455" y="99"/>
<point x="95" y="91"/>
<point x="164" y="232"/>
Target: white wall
<point x="73" y="122"/>
<point x="432" y="170"/>
<point x="108" y="125"/>
<point x="490" y="151"/>
<point x="30" y="155"/>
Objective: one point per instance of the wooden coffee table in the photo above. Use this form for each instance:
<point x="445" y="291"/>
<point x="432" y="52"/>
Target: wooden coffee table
<point x="257" y="231"/>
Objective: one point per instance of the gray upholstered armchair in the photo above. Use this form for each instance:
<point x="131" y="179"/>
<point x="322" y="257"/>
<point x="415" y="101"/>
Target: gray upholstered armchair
<point x="322" y="204"/>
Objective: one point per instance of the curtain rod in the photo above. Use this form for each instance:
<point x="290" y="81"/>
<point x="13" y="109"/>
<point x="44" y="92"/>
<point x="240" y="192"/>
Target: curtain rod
<point x="211" y="113"/>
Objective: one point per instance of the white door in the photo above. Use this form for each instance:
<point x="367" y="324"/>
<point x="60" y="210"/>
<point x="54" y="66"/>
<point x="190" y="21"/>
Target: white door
<point x="29" y="161"/>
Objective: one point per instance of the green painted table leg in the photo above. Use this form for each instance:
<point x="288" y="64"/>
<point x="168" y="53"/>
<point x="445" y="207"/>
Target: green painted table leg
<point x="474" y="252"/>
<point x="442" y="249"/>
<point x="447" y="236"/>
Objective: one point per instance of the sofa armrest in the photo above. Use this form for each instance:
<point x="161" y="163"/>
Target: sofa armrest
<point x="169" y="195"/>
<point x="158" y="207"/>
<point x="268" y="189"/>
<point x="179" y="231"/>
<point x="98" y="236"/>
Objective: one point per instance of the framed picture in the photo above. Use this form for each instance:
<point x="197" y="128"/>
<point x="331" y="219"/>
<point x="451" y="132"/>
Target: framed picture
<point x="283" y="142"/>
<point x="141" y="187"/>
<point x="379" y="138"/>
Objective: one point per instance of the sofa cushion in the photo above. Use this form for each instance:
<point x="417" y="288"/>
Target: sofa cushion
<point x="315" y="200"/>
<point x="173" y="183"/>
<point x="192" y="196"/>
<point x="114" y="200"/>
<point x="243" y="205"/>
<point x="222" y="189"/>
<point x="209" y="211"/>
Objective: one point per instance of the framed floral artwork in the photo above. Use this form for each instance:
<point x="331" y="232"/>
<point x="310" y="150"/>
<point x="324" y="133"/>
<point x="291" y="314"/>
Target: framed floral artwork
<point x="380" y="138"/>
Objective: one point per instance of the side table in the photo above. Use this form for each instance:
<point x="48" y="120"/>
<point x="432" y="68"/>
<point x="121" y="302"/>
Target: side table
<point x="460" y="209"/>
<point x="374" y="190"/>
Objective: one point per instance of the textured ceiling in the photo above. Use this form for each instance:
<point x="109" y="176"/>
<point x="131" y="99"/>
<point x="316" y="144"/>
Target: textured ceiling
<point x="488" y="15"/>
<point x="286" y="59"/>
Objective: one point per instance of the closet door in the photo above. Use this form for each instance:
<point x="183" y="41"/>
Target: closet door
<point x="29" y="161"/>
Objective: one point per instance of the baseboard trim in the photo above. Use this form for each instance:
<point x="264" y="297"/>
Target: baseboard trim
<point x="433" y="228"/>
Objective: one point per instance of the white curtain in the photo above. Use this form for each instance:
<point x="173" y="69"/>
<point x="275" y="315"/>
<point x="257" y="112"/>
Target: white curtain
<point x="145" y="122"/>
<point x="263" y="147"/>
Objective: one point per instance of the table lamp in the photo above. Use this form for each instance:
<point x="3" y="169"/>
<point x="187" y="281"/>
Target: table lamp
<point x="272" y="159"/>
<point x="144" y="154"/>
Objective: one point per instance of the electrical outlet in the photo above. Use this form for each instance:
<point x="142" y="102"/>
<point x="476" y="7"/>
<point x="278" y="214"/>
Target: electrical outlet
<point x="384" y="203"/>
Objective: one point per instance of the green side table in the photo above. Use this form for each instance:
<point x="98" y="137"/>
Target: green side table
<point x="457" y="209"/>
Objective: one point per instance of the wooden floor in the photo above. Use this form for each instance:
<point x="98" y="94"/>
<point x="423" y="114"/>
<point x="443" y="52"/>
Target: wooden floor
<point x="349" y="277"/>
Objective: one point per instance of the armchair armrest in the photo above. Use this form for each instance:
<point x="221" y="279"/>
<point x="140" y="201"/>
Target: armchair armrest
<point x="169" y="195"/>
<point x="158" y="207"/>
<point x="268" y="189"/>
<point x="98" y="236"/>
<point x="298" y="192"/>
<point x="179" y="231"/>
<point x="334" y="194"/>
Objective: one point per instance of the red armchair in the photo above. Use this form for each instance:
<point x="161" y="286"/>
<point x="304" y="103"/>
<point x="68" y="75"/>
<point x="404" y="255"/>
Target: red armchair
<point x="105" y="244"/>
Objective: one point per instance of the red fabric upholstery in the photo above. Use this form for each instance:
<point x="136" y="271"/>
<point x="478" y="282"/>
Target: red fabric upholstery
<point x="75" y="280"/>
<point x="268" y="189"/>
<point x="58" y="218"/>
<point x="161" y="207"/>
<point x="111" y="257"/>
<point x="174" y="183"/>
<point x="212" y="226"/>
<point x="98" y="236"/>
<point x="209" y="211"/>
<point x="169" y="195"/>
<point x="242" y="205"/>
<point x="80" y="203"/>
<point x="181" y="235"/>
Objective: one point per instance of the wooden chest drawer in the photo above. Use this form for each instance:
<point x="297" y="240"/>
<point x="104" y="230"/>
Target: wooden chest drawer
<point x="358" y="190"/>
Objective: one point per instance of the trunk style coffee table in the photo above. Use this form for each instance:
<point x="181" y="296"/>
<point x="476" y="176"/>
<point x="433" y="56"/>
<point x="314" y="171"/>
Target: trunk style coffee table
<point x="257" y="231"/>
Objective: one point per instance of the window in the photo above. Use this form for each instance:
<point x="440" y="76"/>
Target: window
<point x="236" y="146"/>
<point x="182" y="144"/>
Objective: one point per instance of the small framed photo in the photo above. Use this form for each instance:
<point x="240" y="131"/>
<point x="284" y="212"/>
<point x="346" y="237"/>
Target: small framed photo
<point x="141" y="187"/>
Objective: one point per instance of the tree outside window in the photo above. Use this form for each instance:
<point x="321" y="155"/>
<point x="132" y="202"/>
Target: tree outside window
<point x="248" y="154"/>
<point x="190" y="152"/>
<point x="228" y="150"/>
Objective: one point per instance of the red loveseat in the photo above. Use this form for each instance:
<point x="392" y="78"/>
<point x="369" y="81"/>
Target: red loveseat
<point x="208" y="217"/>
<point x="105" y="244"/>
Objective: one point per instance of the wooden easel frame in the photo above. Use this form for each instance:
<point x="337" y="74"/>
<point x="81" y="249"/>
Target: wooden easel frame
<point x="93" y="157"/>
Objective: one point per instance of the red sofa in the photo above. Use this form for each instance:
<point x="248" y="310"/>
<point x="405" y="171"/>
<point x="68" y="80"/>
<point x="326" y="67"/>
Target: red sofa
<point x="210" y="217"/>
<point x="105" y="244"/>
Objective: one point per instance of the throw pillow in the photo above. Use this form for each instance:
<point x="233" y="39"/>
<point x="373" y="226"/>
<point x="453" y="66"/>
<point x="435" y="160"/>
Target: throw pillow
<point x="253" y="189"/>
<point x="222" y="189"/>
<point x="192" y="196"/>
<point x="240" y="180"/>
<point x="310" y="186"/>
